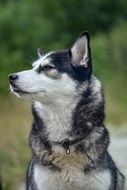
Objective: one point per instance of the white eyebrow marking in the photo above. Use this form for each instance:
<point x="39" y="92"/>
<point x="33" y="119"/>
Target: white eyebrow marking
<point x="42" y="60"/>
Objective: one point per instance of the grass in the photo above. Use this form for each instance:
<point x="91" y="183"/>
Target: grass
<point x="15" y="124"/>
<point x="116" y="110"/>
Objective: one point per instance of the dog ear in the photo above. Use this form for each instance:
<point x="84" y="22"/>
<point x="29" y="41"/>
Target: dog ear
<point x="80" y="51"/>
<point x="39" y="52"/>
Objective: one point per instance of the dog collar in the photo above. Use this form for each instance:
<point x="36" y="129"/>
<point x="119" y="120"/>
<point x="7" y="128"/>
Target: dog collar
<point x="66" y="143"/>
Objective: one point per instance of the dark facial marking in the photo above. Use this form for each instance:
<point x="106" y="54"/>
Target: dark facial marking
<point x="63" y="63"/>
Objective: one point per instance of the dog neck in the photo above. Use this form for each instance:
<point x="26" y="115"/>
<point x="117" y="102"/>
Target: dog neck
<point x="57" y="118"/>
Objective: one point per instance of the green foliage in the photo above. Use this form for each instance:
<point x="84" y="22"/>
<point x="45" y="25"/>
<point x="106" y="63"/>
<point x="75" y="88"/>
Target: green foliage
<point x="110" y="55"/>
<point x="26" y="25"/>
<point x="110" y="65"/>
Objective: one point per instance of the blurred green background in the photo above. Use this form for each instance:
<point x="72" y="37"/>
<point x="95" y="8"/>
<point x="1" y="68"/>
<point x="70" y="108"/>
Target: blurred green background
<point x="51" y="25"/>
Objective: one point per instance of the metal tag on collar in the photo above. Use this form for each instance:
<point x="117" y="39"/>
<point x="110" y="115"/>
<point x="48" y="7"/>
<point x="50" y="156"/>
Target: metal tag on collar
<point x="65" y="145"/>
<point x="68" y="151"/>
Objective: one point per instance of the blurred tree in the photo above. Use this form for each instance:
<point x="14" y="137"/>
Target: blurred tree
<point x="26" y="25"/>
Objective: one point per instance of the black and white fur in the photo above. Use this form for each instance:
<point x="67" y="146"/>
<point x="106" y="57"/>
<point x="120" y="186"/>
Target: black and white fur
<point x="68" y="105"/>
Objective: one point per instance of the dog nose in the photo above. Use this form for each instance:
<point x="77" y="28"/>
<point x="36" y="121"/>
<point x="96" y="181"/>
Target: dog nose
<point x="13" y="77"/>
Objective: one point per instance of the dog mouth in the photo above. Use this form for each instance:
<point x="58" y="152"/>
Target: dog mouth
<point x="19" y="91"/>
<point x="16" y="89"/>
<point x="23" y="92"/>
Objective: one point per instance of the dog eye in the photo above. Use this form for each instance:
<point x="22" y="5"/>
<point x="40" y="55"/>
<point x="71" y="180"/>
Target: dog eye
<point x="45" y="68"/>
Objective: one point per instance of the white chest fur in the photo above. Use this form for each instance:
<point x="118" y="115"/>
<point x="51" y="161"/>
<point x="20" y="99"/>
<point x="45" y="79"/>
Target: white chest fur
<point x="71" y="179"/>
<point x="56" y="119"/>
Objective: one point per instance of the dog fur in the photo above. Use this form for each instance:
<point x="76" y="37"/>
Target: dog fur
<point x="68" y="105"/>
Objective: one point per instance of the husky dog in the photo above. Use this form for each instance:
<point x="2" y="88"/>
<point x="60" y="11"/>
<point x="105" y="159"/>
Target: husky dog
<point x="68" y="139"/>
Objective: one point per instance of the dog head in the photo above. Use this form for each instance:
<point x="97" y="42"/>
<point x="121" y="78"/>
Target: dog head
<point x="56" y="75"/>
